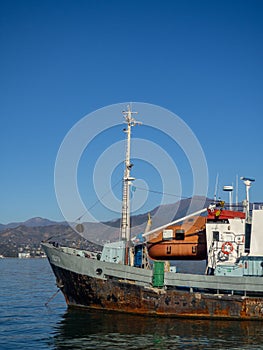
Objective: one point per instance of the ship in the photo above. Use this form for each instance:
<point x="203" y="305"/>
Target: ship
<point x="138" y="276"/>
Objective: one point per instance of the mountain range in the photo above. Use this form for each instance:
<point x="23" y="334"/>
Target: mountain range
<point x="37" y="221"/>
<point x="26" y="236"/>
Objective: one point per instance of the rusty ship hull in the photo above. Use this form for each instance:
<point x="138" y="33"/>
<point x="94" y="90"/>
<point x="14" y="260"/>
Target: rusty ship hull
<point x="93" y="284"/>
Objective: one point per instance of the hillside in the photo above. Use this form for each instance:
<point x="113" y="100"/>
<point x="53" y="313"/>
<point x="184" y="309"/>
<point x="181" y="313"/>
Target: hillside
<point x="28" y="239"/>
<point x="27" y="236"/>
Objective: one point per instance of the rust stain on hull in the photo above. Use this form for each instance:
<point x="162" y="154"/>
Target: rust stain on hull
<point x="114" y="295"/>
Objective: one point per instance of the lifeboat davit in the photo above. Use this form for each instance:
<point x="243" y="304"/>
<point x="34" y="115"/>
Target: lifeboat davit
<point x="180" y="242"/>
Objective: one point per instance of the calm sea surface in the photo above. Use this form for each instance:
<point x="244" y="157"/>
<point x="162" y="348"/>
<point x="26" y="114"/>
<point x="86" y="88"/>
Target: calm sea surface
<point x="26" y="323"/>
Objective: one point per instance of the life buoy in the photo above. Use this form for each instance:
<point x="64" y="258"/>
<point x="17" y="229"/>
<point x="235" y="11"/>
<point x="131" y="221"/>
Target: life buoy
<point x="227" y="248"/>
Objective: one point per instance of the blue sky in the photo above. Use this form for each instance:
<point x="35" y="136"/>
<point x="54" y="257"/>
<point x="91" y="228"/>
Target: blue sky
<point x="61" y="60"/>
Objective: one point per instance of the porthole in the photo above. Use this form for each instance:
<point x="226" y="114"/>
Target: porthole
<point x="99" y="272"/>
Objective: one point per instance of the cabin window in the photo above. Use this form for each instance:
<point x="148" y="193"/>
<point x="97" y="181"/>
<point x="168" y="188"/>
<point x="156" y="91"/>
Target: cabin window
<point x="216" y="236"/>
<point x="179" y="235"/>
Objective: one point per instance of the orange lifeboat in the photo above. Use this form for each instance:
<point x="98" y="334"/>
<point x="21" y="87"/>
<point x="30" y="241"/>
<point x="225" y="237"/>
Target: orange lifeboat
<point x="180" y="242"/>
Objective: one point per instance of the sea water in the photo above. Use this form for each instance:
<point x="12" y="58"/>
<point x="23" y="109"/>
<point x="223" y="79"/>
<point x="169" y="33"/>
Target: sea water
<point x="27" y="323"/>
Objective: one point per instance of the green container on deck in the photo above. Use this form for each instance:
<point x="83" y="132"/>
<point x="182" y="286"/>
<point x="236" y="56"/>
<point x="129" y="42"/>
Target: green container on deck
<point x="158" y="273"/>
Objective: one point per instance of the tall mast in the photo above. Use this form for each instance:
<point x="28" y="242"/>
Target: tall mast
<point x="127" y="179"/>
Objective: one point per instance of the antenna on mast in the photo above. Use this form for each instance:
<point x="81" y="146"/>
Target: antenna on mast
<point x="216" y="188"/>
<point x="236" y="190"/>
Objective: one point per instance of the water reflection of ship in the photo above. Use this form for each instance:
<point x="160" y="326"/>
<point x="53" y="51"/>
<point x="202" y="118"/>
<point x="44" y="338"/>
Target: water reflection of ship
<point x="79" y="329"/>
